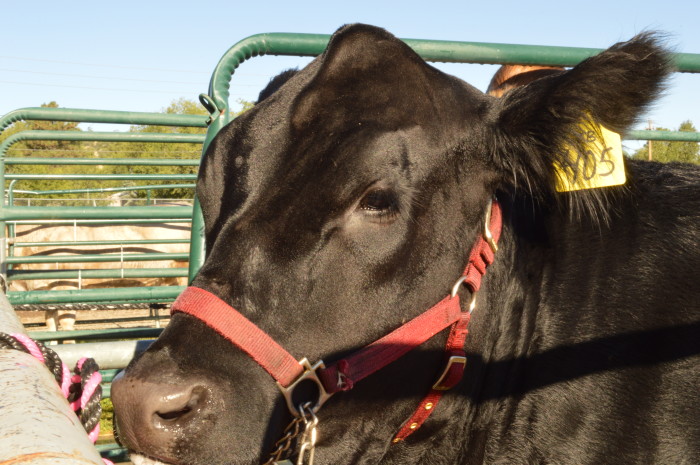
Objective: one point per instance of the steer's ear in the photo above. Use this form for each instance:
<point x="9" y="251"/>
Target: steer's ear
<point x="539" y="126"/>
<point x="366" y="75"/>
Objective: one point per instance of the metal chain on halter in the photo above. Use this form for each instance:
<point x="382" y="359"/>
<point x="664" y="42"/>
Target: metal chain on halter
<point x="308" y="438"/>
<point x="284" y="446"/>
<point x="82" y="389"/>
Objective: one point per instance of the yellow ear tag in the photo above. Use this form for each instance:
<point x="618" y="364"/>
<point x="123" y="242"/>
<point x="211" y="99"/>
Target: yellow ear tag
<point x="607" y="169"/>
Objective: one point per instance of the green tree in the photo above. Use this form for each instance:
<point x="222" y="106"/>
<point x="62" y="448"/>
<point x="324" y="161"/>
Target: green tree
<point x="41" y="126"/>
<point x="181" y="106"/>
<point x="166" y="150"/>
<point x="42" y="149"/>
<point x="58" y="149"/>
<point x="665" y="151"/>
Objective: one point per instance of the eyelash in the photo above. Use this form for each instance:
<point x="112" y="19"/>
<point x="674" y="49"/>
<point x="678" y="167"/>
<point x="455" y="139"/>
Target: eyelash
<point x="381" y="204"/>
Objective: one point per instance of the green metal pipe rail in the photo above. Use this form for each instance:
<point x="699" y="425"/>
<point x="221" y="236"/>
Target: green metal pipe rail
<point x="94" y="136"/>
<point x="155" y="294"/>
<point x="101" y="116"/>
<point x="98" y="190"/>
<point x="97" y="258"/>
<point x="93" y="243"/>
<point x="91" y="334"/>
<point x="39" y="220"/>
<point x="677" y="136"/>
<point x="93" y="213"/>
<point x="171" y="138"/>
<point x="128" y="273"/>
<point x="101" y="161"/>
<point x="107" y="378"/>
<point x="113" y="452"/>
<point x="104" y="177"/>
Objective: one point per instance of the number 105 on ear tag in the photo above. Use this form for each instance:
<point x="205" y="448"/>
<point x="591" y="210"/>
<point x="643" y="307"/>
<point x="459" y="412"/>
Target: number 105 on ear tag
<point x="602" y="165"/>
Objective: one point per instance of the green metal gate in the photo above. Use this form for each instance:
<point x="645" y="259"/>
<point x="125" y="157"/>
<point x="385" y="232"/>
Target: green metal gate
<point x="216" y="103"/>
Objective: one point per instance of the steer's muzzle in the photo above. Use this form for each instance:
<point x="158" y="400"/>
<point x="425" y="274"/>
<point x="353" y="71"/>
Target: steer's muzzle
<point x="152" y="417"/>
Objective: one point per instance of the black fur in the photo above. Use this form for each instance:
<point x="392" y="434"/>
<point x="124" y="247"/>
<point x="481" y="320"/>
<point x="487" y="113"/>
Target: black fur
<point x="584" y="345"/>
<point x="275" y="83"/>
<point x="545" y="114"/>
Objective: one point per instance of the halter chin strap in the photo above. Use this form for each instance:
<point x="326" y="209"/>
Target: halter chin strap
<point x="343" y="374"/>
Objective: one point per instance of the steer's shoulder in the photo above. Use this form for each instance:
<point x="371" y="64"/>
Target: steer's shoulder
<point x="675" y="184"/>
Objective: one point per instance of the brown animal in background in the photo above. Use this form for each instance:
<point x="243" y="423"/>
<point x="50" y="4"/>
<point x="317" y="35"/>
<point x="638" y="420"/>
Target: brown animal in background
<point x="509" y="77"/>
<point x="65" y="319"/>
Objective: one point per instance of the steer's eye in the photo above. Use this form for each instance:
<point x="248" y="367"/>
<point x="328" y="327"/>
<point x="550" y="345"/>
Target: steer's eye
<point x="380" y="203"/>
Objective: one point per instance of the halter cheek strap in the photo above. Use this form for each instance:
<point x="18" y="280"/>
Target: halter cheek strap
<point x="343" y="374"/>
<point x="481" y="256"/>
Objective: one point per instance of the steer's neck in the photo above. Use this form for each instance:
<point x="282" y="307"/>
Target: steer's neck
<point x="545" y="319"/>
<point x="503" y="332"/>
<point x="501" y="335"/>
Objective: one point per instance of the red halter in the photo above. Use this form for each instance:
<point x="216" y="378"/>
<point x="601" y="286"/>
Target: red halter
<point x="343" y="374"/>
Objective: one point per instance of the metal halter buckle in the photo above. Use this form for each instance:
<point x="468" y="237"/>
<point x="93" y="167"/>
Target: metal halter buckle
<point x="455" y="290"/>
<point x="488" y="237"/>
<point x="310" y="373"/>
<point x="455" y="359"/>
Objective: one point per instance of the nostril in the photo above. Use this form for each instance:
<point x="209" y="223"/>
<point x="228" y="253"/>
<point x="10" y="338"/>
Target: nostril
<point x="149" y="416"/>
<point x="177" y="408"/>
<point x="173" y="415"/>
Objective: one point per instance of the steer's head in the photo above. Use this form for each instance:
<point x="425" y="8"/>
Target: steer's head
<point x="341" y="206"/>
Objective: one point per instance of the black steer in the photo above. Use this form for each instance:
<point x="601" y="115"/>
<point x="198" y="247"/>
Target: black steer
<point x="346" y="204"/>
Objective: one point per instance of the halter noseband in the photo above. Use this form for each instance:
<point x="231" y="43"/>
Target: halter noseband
<point x="343" y="374"/>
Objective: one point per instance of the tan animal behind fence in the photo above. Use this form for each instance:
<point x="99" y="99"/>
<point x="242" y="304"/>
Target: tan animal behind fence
<point x="48" y="234"/>
<point x="508" y="77"/>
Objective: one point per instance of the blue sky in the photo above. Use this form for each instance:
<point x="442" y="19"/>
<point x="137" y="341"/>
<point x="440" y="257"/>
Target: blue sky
<point x="140" y="56"/>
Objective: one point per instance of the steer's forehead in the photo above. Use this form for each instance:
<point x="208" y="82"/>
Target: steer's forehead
<point x="246" y="154"/>
<point x="368" y="101"/>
